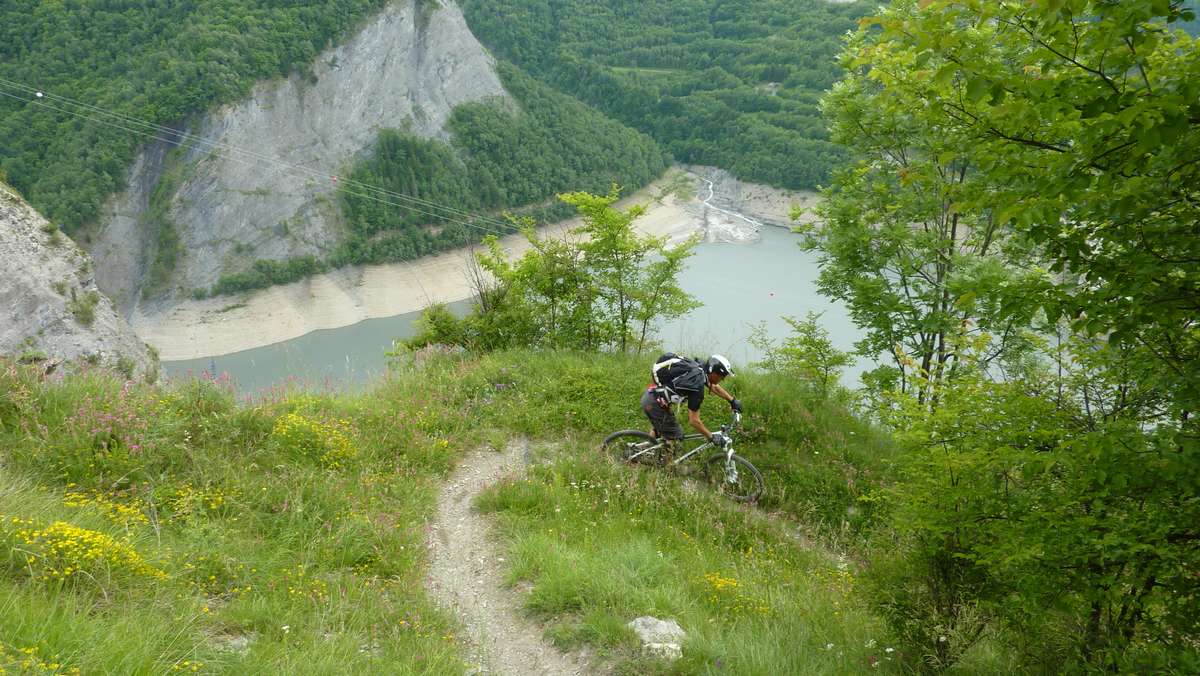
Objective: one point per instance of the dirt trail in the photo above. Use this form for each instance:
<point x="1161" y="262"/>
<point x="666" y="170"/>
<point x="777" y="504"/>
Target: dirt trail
<point x="465" y="574"/>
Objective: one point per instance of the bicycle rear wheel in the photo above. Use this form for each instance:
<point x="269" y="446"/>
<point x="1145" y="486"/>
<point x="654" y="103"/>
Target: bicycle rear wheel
<point x="735" y="478"/>
<point x="631" y="446"/>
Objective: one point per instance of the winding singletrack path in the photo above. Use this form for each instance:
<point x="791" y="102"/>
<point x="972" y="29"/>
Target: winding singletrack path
<point x="465" y="574"/>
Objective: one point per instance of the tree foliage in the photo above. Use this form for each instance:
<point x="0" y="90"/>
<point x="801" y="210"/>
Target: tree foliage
<point x="1084" y="118"/>
<point x="156" y="61"/>
<point x="498" y="158"/>
<point x="1040" y="508"/>
<point x="913" y="266"/>
<point x="1027" y="170"/>
<point x="601" y="287"/>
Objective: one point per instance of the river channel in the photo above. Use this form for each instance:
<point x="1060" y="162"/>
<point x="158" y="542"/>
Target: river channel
<point x="737" y="285"/>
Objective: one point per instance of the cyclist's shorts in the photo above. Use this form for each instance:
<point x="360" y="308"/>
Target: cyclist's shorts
<point x="662" y="417"/>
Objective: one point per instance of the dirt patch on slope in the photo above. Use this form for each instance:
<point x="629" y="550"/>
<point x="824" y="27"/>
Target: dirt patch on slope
<point x="465" y="575"/>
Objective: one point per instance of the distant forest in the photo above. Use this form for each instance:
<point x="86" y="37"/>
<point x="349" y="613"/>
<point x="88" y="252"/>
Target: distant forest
<point x="731" y="83"/>
<point x="155" y="61"/>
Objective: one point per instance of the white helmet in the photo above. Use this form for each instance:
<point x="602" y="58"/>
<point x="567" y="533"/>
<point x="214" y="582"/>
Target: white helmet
<point x="718" y="364"/>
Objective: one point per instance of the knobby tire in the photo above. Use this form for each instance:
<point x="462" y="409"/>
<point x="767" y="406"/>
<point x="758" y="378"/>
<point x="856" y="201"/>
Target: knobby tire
<point x="621" y="445"/>
<point x="749" y="484"/>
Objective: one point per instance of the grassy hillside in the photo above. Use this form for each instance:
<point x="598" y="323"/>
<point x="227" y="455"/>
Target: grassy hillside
<point x="159" y="529"/>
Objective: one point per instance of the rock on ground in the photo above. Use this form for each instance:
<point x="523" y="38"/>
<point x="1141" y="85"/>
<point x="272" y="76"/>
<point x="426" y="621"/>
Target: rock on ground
<point x="661" y="638"/>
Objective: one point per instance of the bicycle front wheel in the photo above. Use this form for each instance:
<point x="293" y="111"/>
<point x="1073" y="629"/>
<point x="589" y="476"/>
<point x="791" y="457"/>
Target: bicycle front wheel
<point x="733" y="477"/>
<point x="631" y="446"/>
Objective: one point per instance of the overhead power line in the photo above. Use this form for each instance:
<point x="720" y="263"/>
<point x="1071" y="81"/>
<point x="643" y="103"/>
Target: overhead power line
<point x="149" y="130"/>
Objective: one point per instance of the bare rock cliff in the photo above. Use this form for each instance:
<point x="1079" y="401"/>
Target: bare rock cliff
<point x="259" y="182"/>
<point x="50" y="308"/>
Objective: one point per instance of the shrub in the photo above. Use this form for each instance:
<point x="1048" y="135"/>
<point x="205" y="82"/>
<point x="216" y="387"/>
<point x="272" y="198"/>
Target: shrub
<point x="84" y="307"/>
<point x="62" y="552"/>
<point x="327" y="442"/>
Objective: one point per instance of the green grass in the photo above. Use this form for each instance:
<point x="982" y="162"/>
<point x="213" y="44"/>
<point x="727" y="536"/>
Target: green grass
<point x="318" y="567"/>
<point x="289" y="532"/>
<point x="600" y="544"/>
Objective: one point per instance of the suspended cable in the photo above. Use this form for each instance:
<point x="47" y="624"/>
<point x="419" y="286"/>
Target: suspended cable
<point x="229" y="151"/>
<point x="178" y="137"/>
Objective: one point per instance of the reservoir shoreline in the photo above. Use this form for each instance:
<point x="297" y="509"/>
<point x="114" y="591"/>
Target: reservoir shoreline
<point x="730" y="211"/>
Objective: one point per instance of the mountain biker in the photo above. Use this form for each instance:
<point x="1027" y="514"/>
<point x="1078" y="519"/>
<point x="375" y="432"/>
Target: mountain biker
<point x="677" y="379"/>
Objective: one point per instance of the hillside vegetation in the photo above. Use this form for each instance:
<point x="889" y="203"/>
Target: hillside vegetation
<point x="172" y="528"/>
<point x="168" y="64"/>
<point x="1017" y="235"/>
<point x="733" y="84"/>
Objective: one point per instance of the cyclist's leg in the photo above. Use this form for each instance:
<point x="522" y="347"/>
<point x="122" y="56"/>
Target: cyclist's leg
<point x="666" y="425"/>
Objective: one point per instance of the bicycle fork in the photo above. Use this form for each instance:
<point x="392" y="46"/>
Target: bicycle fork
<point x="731" y="473"/>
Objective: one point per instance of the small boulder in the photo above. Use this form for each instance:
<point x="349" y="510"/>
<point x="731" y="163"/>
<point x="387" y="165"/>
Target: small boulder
<point x="666" y="651"/>
<point x="661" y="638"/>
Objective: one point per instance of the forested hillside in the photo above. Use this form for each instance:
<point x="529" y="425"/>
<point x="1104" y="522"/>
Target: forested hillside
<point x="727" y="83"/>
<point x="500" y="157"/>
<point x="158" y="62"/>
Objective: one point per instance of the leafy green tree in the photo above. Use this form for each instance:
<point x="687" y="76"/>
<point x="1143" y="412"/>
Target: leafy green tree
<point x="547" y="295"/>
<point x="1040" y="507"/>
<point x="1083" y="117"/>
<point x="601" y="287"/>
<point x="807" y="352"/>
<point x="897" y="247"/>
<point x="635" y="274"/>
<point x="1057" y="504"/>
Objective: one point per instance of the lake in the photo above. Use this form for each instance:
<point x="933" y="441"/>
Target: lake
<point x="738" y="285"/>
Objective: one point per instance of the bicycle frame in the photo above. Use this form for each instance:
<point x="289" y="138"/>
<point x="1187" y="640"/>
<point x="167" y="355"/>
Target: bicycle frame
<point x="725" y="429"/>
<point x="723" y="469"/>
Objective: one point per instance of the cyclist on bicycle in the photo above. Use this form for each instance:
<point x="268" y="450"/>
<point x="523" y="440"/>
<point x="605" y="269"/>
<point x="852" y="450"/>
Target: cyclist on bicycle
<point x="677" y="379"/>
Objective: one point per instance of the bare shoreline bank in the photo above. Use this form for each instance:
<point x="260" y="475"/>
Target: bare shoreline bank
<point x="227" y="324"/>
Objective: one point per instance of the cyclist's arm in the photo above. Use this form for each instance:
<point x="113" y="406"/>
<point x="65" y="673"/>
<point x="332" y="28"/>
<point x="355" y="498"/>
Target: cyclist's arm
<point x="694" y="421"/>
<point x="720" y="392"/>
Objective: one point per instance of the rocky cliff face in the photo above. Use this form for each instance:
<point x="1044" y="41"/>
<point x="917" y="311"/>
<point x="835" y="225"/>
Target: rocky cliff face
<point x="50" y="308"/>
<point x="259" y="182"/>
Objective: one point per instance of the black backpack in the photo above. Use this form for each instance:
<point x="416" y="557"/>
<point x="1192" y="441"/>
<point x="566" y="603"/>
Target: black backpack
<point x="679" y="375"/>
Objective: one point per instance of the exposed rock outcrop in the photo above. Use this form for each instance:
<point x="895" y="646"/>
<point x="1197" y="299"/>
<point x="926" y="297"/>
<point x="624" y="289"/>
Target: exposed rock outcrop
<point x="259" y="183"/>
<point x="51" y="311"/>
<point x="733" y="211"/>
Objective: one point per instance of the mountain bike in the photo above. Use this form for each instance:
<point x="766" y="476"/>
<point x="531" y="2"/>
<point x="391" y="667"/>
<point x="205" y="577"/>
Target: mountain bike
<point x="725" y="471"/>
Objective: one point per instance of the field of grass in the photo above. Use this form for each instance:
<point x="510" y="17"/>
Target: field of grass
<point x="158" y="529"/>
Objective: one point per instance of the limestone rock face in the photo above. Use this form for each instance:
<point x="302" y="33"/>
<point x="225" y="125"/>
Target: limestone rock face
<point x="50" y="308"/>
<point x="255" y="180"/>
